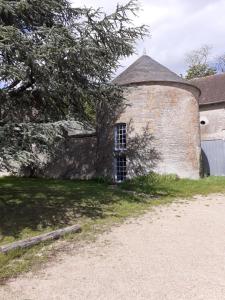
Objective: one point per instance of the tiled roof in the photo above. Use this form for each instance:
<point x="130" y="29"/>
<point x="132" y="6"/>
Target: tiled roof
<point x="146" y="69"/>
<point x="212" y="88"/>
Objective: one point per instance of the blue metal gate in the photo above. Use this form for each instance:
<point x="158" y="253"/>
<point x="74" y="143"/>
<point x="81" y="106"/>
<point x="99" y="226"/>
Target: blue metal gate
<point x="213" y="157"/>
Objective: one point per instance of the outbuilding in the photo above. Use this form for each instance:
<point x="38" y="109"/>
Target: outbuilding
<point x="212" y="123"/>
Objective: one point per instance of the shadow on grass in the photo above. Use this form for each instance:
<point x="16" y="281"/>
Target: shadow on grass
<point x="35" y="204"/>
<point x="31" y="205"/>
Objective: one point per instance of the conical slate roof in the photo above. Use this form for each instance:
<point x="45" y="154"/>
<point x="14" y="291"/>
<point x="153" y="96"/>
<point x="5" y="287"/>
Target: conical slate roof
<point x="146" y="69"/>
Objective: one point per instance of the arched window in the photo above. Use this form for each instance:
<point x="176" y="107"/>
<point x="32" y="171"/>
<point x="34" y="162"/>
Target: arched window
<point x="120" y="136"/>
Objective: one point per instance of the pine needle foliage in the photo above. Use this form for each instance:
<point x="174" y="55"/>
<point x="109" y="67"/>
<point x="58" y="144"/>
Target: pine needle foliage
<point x="57" y="62"/>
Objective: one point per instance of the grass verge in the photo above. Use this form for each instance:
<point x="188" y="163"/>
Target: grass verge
<point x="29" y="207"/>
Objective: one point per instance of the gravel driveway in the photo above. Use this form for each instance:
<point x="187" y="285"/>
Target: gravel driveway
<point x="175" y="252"/>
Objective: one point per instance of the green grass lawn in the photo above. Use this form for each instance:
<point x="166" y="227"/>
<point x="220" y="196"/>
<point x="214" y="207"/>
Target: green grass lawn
<point x="171" y="186"/>
<point x="29" y="207"/>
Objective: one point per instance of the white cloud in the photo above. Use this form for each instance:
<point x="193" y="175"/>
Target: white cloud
<point x="176" y="27"/>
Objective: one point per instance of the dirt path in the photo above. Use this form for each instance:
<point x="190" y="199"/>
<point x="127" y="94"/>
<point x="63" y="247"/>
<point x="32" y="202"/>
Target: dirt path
<point x="176" y="252"/>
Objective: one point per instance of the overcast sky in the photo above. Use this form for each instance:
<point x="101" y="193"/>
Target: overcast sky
<point x="176" y="27"/>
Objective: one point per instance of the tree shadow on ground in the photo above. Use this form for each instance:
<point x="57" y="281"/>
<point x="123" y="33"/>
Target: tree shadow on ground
<point x="35" y="204"/>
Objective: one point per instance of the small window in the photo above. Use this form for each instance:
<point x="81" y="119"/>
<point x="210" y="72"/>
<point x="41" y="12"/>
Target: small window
<point x="204" y="121"/>
<point x="121" y="168"/>
<point x="120" y="136"/>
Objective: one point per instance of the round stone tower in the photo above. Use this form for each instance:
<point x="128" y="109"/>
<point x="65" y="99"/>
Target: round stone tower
<point x="167" y="106"/>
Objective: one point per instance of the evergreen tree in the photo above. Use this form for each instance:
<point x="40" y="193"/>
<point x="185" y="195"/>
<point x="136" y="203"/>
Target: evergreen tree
<point x="57" y="61"/>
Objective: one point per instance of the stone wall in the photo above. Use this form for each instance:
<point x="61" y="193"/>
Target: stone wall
<point x="212" y="117"/>
<point x="75" y="160"/>
<point x="171" y="112"/>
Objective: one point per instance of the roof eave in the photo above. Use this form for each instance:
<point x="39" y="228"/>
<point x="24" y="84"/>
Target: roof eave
<point x="212" y="103"/>
<point x="160" y="82"/>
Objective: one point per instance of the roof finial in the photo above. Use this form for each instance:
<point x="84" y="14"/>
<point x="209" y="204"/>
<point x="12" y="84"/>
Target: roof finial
<point x="144" y="51"/>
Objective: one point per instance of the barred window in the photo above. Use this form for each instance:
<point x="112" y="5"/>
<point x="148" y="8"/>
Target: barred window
<point x="120" y="136"/>
<point x="121" y="168"/>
